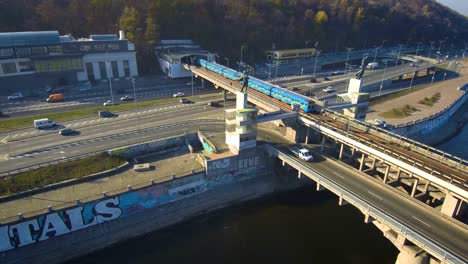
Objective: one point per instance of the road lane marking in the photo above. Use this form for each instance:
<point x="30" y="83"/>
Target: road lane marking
<point x="375" y="195"/>
<point x="338" y="175"/>
<point x="421" y="221"/>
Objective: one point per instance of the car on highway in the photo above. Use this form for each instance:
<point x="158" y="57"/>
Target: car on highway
<point x="105" y="114"/>
<point x="184" y="101"/>
<point x="178" y="94"/>
<point x="294" y="89"/>
<point x="412" y="65"/>
<point x="213" y="103"/>
<point x="15" y="96"/>
<point x="380" y="123"/>
<point x="67" y="132"/>
<point x="43" y="123"/>
<point x="328" y="89"/>
<point x="127" y="98"/>
<point x="108" y="103"/>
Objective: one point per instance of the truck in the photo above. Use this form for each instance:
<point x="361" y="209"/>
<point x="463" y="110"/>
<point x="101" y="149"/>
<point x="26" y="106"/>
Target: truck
<point x="53" y="98"/>
<point x="372" y="65"/>
<point x="303" y="153"/>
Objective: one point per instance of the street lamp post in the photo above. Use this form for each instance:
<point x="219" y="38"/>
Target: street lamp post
<point x="242" y="48"/>
<point x="135" y="100"/>
<point x="227" y="62"/>
<point x="315" y="66"/>
<point x="398" y="56"/>
<point x="277" y="66"/>
<point x="347" y="58"/>
<point x="108" y="71"/>
<point x="383" y="78"/>
<point x="375" y="54"/>
<point x="417" y="48"/>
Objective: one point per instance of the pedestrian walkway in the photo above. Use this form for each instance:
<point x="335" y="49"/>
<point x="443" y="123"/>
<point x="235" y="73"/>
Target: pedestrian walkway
<point x="449" y="93"/>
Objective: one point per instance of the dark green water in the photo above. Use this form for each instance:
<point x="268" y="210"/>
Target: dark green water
<point x="301" y="226"/>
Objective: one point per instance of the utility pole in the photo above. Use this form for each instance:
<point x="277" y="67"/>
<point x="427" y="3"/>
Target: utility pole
<point x="398" y="57"/>
<point x="135" y="100"/>
<point x="347" y="58"/>
<point x="242" y="48"/>
<point x="383" y="78"/>
<point x="227" y="62"/>
<point x="315" y="66"/>
<point x="108" y="72"/>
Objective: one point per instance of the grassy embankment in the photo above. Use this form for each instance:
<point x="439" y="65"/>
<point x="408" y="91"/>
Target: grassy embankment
<point x="57" y="173"/>
<point x="27" y="121"/>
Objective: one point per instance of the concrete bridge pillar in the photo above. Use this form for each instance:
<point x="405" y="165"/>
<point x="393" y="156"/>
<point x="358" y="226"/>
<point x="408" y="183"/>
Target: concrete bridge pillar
<point x="411" y="255"/>
<point x="224" y="94"/>
<point x="453" y="206"/>
<point x="363" y="158"/>
<point x="307" y="136"/>
<point x="387" y="171"/>
<point x="416" y="74"/>
<point x="415" y="187"/>
<point x="426" y="187"/>
<point x="299" y="174"/>
<point x="428" y="71"/>
<point x="400" y="77"/>
<point x="341" y="151"/>
<point x="322" y="146"/>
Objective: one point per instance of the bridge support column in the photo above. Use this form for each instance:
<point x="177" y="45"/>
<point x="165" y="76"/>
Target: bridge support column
<point x="412" y="255"/>
<point x="398" y="174"/>
<point x="368" y="218"/>
<point x="307" y="136"/>
<point x="363" y="158"/>
<point x="322" y="146"/>
<point x="387" y="171"/>
<point x="299" y="174"/>
<point x="453" y="206"/>
<point x="341" y="151"/>
<point x="320" y="187"/>
<point x="415" y="187"/>
<point x="416" y="74"/>
<point x="400" y="77"/>
<point x="426" y="187"/>
<point x="342" y="201"/>
<point x="353" y="151"/>
<point x="224" y="94"/>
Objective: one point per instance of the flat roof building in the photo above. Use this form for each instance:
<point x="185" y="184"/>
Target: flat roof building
<point x="84" y="59"/>
<point x="288" y="56"/>
<point x="172" y="54"/>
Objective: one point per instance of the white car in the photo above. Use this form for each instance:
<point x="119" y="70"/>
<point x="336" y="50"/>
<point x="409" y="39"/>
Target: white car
<point x="178" y="94"/>
<point x="329" y="89"/>
<point x="305" y="155"/>
<point x="107" y="103"/>
<point x="15" y="96"/>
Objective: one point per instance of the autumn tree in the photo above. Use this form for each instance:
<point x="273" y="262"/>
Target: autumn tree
<point x="129" y="22"/>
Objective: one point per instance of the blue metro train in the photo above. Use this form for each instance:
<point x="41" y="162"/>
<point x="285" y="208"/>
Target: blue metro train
<point x="282" y="95"/>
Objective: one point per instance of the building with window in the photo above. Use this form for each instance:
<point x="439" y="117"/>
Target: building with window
<point x="48" y="53"/>
<point x="289" y="56"/>
<point x="172" y="54"/>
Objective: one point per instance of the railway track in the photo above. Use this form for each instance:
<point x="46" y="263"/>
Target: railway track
<point x="441" y="170"/>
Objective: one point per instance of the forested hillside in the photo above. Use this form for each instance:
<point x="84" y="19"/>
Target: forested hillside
<point x="225" y="25"/>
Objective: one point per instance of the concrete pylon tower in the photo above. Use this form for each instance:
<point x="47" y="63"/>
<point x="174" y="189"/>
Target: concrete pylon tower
<point x="355" y="96"/>
<point x="241" y="125"/>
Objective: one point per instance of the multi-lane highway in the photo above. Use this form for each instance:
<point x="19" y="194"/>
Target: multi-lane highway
<point x="75" y="99"/>
<point x="29" y="147"/>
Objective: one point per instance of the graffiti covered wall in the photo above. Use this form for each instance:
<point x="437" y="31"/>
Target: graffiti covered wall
<point x="62" y="222"/>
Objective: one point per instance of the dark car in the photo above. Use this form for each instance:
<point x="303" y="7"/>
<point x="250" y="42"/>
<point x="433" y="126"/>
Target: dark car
<point x="105" y="114"/>
<point x="213" y="103"/>
<point x="67" y="132"/>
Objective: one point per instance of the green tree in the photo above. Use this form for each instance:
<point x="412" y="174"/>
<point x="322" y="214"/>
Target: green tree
<point x="129" y="22"/>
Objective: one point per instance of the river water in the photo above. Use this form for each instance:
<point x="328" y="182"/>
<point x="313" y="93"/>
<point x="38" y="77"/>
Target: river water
<point x="301" y="226"/>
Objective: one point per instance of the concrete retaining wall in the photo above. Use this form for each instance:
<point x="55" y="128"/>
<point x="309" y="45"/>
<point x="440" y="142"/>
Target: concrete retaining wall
<point x="130" y="152"/>
<point x="426" y="125"/>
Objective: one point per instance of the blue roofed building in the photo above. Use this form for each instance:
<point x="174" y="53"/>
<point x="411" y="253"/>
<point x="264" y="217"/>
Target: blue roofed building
<point x="46" y="53"/>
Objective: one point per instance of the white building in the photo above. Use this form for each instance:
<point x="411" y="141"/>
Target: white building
<point x="172" y="54"/>
<point x="86" y="59"/>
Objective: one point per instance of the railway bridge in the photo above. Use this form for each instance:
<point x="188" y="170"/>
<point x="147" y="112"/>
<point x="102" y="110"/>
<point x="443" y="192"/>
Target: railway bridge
<point x="424" y="177"/>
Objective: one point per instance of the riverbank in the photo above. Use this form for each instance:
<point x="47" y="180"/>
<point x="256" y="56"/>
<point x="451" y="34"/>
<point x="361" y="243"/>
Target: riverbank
<point x="450" y="129"/>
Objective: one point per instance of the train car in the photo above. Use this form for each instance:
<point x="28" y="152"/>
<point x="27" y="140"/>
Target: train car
<point x="278" y="93"/>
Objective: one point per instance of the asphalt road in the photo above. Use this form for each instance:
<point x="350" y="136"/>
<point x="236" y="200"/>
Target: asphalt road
<point x="110" y="133"/>
<point x="427" y="221"/>
<point x="96" y="97"/>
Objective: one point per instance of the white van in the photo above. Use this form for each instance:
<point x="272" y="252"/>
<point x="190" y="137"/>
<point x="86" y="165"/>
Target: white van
<point x="43" y="123"/>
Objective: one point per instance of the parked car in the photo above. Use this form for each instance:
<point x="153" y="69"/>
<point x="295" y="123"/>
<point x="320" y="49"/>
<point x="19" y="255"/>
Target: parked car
<point x="329" y="89"/>
<point x="178" y="94"/>
<point x="15" y="96"/>
<point x="127" y="98"/>
<point x="67" y="132"/>
<point x="108" y="103"/>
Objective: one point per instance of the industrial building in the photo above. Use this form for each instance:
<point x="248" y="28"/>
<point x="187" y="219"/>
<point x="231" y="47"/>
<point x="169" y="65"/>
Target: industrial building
<point x="172" y="54"/>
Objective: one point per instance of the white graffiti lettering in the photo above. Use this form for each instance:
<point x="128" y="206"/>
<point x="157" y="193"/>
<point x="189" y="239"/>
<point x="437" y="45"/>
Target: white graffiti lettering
<point x="250" y="162"/>
<point x="220" y="164"/>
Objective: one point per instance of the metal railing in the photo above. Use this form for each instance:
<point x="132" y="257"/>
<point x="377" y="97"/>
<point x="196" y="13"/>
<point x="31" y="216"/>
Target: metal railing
<point x="367" y="207"/>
